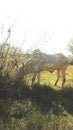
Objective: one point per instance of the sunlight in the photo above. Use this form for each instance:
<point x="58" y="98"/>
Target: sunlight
<point x="44" y="24"/>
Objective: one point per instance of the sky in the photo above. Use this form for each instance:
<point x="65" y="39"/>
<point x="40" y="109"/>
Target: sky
<point x="43" y="24"/>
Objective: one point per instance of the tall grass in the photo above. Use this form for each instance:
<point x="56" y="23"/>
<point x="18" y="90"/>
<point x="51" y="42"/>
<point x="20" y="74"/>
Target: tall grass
<point x="37" y="108"/>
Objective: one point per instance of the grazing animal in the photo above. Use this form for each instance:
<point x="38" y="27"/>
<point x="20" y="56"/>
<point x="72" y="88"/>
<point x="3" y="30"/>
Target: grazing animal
<point x="40" y="61"/>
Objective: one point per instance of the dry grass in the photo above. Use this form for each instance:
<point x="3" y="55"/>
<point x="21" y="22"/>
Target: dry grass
<point x="70" y="76"/>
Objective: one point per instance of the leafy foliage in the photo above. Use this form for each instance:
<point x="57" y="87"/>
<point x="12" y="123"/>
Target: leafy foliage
<point x="70" y="46"/>
<point x="70" y="49"/>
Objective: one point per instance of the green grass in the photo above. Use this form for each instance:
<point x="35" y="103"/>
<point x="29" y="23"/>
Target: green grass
<point x="50" y="78"/>
<point x="37" y="107"/>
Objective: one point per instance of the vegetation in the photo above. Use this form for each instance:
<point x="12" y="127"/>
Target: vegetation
<point x="70" y="49"/>
<point x="70" y="45"/>
<point x="37" y="107"/>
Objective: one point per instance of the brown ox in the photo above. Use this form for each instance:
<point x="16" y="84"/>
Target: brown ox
<point x="44" y="62"/>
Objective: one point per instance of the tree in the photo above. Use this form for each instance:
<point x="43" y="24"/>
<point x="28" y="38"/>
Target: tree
<point x="70" y="49"/>
<point x="70" y="46"/>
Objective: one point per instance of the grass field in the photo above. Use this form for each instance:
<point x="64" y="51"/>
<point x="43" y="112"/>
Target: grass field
<point x="49" y="78"/>
<point x="56" y="101"/>
<point x="38" y="107"/>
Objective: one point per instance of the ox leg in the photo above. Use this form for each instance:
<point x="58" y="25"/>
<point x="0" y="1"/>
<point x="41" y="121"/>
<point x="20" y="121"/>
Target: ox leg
<point x="63" y="76"/>
<point x="33" y="78"/>
<point x="58" y="77"/>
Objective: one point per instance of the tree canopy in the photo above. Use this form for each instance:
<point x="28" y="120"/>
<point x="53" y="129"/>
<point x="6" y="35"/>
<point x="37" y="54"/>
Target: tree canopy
<point x="70" y="46"/>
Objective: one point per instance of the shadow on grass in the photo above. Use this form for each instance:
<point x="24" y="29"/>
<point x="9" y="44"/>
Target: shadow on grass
<point x="47" y="98"/>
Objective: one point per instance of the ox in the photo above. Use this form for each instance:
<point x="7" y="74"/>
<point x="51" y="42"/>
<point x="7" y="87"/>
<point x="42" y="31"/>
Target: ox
<point x="40" y="61"/>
